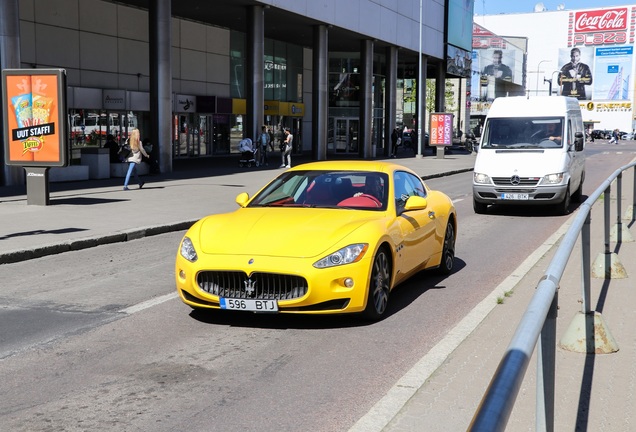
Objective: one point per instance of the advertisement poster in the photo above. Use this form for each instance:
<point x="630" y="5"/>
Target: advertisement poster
<point x="34" y="117"/>
<point x="612" y="72"/>
<point x="576" y="72"/>
<point x="441" y="129"/>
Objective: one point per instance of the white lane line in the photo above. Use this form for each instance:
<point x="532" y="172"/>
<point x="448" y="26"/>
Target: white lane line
<point x="392" y="403"/>
<point x="149" y="303"/>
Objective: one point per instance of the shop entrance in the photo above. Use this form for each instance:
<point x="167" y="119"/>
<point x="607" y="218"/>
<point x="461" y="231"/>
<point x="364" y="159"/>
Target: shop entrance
<point x="345" y="135"/>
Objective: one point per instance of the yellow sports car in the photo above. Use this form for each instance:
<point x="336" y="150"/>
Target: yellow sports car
<point x="321" y="238"/>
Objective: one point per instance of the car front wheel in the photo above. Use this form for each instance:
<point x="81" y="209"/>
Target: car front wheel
<point x="379" y="285"/>
<point x="448" y="251"/>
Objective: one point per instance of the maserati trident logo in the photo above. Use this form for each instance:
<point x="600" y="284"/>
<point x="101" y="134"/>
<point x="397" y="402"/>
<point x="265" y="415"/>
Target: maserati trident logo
<point x="515" y="180"/>
<point x="250" y="287"/>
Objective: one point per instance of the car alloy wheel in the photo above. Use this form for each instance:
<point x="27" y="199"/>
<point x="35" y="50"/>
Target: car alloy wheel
<point x="379" y="286"/>
<point x="448" y="251"/>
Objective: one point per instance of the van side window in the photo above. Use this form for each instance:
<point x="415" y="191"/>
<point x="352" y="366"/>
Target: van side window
<point x="570" y="133"/>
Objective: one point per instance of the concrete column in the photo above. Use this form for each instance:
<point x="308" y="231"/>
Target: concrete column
<point x="9" y="59"/>
<point x="390" y="95"/>
<point x="440" y="88"/>
<point x="421" y="110"/>
<point x="365" y="149"/>
<point x="160" y="27"/>
<point x="320" y="93"/>
<point x="255" y="71"/>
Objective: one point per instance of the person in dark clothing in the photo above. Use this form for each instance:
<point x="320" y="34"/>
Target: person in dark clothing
<point x="113" y="149"/>
<point x="394" y="142"/>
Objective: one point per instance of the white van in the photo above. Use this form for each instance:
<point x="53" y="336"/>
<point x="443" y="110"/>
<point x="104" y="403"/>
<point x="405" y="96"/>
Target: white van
<point x="531" y="152"/>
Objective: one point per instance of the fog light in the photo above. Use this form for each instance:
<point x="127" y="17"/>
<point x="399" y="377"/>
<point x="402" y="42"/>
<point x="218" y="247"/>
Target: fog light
<point x="182" y="274"/>
<point x="348" y="282"/>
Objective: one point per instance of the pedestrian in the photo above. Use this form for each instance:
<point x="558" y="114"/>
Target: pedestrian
<point x="395" y="136"/>
<point x="113" y="148"/>
<point x="271" y="139"/>
<point x="287" y="149"/>
<point x="614" y="139"/>
<point x="264" y="142"/>
<point x="137" y="150"/>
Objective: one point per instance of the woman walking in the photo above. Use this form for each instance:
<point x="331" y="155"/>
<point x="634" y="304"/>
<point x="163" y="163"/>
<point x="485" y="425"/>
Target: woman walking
<point x="137" y="150"/>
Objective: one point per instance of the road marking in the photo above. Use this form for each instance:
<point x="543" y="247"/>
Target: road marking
<point x="149" y="303"/>
<point x="381" y="414"/>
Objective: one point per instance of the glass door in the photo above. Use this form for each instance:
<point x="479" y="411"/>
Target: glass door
<point x="345" y="138"/>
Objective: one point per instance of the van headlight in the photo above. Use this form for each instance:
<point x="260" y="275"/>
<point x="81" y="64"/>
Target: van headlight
<point x="553" y="179"/>
<point x="481" y="178"/>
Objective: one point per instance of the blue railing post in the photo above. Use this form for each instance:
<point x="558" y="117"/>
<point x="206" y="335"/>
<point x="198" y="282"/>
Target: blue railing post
<point x="606" y="231"/>
<point x="619" y="213"/>
<point x="546" y="366"/>
<point x="586" y="264"/>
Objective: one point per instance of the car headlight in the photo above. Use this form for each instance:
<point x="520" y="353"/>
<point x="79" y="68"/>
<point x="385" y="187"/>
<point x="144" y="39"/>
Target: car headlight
<point x="553" y="178"/>
<point x="187" y="250"/>
<point x="481" y="178"/>
<point x="346" y="255"/>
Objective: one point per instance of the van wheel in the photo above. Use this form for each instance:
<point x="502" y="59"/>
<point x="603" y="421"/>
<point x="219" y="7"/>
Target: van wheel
<point x="564" y="207"/>
<point x="479" y="208"/>
<point x="578" y="195"/>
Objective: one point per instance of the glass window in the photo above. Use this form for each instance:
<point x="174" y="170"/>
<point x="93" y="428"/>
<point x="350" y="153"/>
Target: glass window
<point x="406" y="185"/>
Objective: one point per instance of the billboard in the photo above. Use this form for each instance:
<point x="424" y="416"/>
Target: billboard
<point x="459" y="23"/>
<point x="35" y="124"/>
<point x="441" y="129"/>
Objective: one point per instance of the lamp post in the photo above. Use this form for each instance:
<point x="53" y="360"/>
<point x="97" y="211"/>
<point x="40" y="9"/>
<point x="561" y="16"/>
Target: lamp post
<point x="538" y="66"/>
<point x="420" y="85"/>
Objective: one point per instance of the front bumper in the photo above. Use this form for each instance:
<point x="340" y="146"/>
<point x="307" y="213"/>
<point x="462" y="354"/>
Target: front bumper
<point x="323" y="290"/>
<point x="540" y="195"/>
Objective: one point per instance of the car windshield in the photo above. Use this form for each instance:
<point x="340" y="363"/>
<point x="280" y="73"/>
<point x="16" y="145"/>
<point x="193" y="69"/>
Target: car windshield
<point x="365" y="190"/>
<point x="523" y="133"/>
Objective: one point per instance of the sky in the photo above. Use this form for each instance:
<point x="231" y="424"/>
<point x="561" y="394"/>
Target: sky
<point x="492" y="7"/>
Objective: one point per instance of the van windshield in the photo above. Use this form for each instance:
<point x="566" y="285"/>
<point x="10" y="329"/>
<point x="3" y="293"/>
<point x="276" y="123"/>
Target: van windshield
<point x="523" y="133"/>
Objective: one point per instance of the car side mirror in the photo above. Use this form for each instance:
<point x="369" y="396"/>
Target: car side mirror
<point x="242" y="199"/>
<point x="578" y="141"/>
<point x="415" y="203"/>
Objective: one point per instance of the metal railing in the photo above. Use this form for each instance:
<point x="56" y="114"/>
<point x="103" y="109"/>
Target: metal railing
<point x="538" y="324"/>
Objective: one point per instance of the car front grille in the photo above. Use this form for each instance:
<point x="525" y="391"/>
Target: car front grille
<point x="262" y="286"/>
<point x="522" y="181"/>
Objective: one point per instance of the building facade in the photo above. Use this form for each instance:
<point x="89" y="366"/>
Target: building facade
<point x="195" y="77"/>
<point x="583" y="53"/>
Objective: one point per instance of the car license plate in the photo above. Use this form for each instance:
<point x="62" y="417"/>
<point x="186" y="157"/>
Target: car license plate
<point x="514" y="196"/>
<point x="249" y="305"/>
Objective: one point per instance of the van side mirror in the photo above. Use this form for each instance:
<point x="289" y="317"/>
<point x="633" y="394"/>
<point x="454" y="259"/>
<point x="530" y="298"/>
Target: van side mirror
<point x="578" y="141"/>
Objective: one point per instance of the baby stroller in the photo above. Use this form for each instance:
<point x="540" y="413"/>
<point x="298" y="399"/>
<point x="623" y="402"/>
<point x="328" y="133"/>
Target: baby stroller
<point x="249" y="155"/>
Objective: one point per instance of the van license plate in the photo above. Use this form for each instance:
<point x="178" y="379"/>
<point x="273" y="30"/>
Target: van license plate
<point x="514" y="196"/>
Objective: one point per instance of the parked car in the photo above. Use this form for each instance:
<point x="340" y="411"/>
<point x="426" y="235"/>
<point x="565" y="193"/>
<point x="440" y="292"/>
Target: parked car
<point x="601" y="134"/>
<point x="321" y="238"/>
<point x="626" y="135"/>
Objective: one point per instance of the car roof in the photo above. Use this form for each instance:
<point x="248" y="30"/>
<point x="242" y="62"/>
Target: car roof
<point x="352" y="165"/>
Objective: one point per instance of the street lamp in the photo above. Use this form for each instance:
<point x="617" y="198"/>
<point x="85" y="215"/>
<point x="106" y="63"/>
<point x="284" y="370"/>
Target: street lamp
<point x="538" y="66"/>
<point x="550" y="81"/>
<point x="420" y="85"/>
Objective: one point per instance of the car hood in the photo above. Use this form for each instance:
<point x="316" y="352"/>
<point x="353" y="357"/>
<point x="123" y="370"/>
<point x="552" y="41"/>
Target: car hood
<point x="523" y="163"/>
<point x="292" y="232"/>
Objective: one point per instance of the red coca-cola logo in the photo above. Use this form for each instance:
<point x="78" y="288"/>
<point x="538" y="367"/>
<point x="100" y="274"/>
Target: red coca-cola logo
<point x="601" y="20"/>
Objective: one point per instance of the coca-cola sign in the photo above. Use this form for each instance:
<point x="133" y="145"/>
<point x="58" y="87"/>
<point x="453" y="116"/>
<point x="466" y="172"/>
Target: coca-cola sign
<point x="600" y="20"/>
